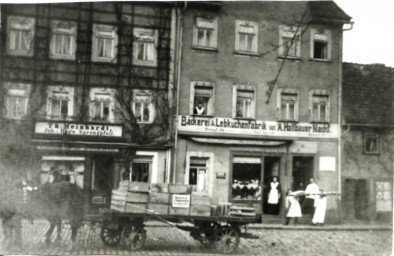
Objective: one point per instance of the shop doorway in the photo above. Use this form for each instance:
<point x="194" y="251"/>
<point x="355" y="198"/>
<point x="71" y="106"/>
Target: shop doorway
<point x="102" y="183"/>
<point x="302" y="172"/>
<point x="355" y="199"/>
<point x="271" y="170"/>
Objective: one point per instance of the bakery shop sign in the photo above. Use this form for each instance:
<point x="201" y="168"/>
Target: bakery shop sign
<point x="97" y="130"/>
<point x="256" y="127"/>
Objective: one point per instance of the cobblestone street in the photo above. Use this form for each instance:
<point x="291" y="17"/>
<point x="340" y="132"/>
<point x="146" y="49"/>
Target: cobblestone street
<point x="165" y="240"/>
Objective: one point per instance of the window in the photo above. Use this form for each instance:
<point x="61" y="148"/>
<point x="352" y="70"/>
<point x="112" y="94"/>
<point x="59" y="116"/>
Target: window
<point x="141" y="169"/>
<point x="145" y="47"/>
<point x="63" y="40"/>
<point x="371" y="143"/>
<point x="16" y="100"/>
<point x="60" y="102"/>
<point x="246" y="180"/>
<point x="383" y="196"/>
<point x="105" y="41"/>
<point x="246" y="35"/>
<point x="288" y="105"/>
<point x="202" y="98"/>
<point x="320" y="44"/>
<point x="198" y="174"/>
<point x="143" y="107"/>
<point x="20" y="32"/>
<point x="244" y="101"/>
<point x="102" y="104"/>
<point x="319" y="106"/>
<point x="289" y="42"/>
<point x="205" y="33"/>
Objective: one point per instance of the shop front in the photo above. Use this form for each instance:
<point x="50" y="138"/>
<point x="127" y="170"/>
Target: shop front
<point x="255" y="162"/>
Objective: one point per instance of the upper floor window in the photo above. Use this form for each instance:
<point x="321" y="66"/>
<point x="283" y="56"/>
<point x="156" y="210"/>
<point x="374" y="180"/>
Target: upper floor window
<point x="202" y="98"/>
<point x="60" y="102"/>
<point x="287" y="105"/>
<point x="246" y="36"/>
<point x="105" y="41"/>
<point x="143" y="107"/>
<point x="205" y="33"/>
<point x="102" y="104"/>
<point x="319" y="106"/>
<point x="63" y="40"/>
<point x="145" y="47"/>
<point x="289" y="42"/>
<point x="371" y="143"/>
<point x="20" y="35"/>
<point x="16" y="100"/>
<point x="244" y="101"/>
<point x="320" y="44"/>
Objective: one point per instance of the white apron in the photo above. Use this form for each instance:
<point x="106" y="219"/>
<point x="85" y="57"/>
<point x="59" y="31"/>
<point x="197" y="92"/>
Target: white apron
<point x="320" y="211"/>
<point x="273" y="196"/>
<point x="295" y="208"/>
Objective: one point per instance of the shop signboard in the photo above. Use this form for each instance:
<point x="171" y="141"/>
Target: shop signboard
<point x="180" y="201"/>
<point x="78" y="129"/>
<point x="221" y="125"/>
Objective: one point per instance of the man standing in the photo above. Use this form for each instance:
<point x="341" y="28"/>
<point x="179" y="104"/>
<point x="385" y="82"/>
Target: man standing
<point x="311" y="195"/>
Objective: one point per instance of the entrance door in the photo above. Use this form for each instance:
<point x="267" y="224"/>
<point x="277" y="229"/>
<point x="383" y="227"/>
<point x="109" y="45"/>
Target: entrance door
<point x="355" y="199"/>
<point x="302" y="172"/>
<point x="271" y="170"/>
<point x="103" y="171"/>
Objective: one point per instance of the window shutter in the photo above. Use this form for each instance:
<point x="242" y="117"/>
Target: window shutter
<point x="235" y="101"/>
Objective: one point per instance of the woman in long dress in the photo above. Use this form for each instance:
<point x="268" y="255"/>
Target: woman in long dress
<point x="293" y="206"/>
<point x="273" y="196"/>
<point x="320" y="212"/>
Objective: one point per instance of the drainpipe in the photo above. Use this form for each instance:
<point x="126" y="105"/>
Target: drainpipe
<point x="340" y="130"/>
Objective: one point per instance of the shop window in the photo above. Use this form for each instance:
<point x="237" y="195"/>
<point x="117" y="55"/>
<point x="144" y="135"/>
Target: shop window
<point x="141" y="169"/>
<point x="319" y="106"/>
<point x="244" y="101"/>
<point x="20" y="35"/>
<point x="205" y="33"/>
<point x="60" y="102"/>
<point x="143" y="107"/>
<point x="320" y="44"/>
<point x="16" y="100"/>
<point x="246" y="182"/>
<point x="145" y="47"/>
<point x="289" y="42"/>
<point x="198" y="174"/>
<point x="287" y="105"/>
<point x="63" y="40"/>
<point x="383" y="196"/>
<point x="202" y="98"/>
<point x="104" y="43"/>
<point x="102" y="104"/>
<point x="371" y="143"/>
<point x="246" y="36"/>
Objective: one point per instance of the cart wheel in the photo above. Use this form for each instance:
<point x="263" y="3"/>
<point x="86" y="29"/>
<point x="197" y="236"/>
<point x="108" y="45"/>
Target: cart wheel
<point x="110" y="236"/>
<point x="226" y="239"/>
<point x="133" y="237"/>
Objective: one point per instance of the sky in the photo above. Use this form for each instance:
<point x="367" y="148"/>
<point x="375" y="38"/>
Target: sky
<point x="371" y="40"/>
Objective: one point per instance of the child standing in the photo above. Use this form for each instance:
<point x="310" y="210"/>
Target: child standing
<point x="293" y="206"/>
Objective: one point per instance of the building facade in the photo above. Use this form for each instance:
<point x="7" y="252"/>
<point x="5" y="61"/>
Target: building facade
<point x="259" y="94"/>
<point x="367" y="142"/>
<point x="85" y="91"/>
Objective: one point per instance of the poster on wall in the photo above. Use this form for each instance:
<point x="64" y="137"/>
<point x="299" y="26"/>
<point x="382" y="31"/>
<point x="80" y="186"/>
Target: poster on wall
<point x="327" y="163"/>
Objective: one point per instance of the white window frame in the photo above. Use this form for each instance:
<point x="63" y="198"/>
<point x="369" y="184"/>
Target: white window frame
<point x="107" y="32"/>
<point x="142" y="35"/>
<point x="64" y="33"/>
<point x="210" y="170"/>
<point x="291" y="34"/>
<point x="152" y="113"/>
<point x="20" y="23"/>
<point x="206" y="24"/>
<point x="385" y="195"/>
<point x="204" y="85"/>
<point x="283" y="116"/>
<point x="103" y="92"/>
<point x="244" y="88"/>
<point x="318" y="93"/>
<point x="239" y="24"/>
<point x="371" y="135"/>
<point x="16" y="90"/>
<point x="52" y="90"/>
<point x="320" y="35"/>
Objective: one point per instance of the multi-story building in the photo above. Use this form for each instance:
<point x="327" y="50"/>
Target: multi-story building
<point x="85" y="88"/>
<point x="259" y="97"/>
<point x="367" y="142"/>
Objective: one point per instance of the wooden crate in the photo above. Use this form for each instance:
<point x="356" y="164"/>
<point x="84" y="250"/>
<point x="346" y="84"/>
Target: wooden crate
<point x="159" y="187"/>
<point x="179" y="211"/>
<point x="179" y="189"/>
<point x="139" y="187"/>
<point x="200" y="210"/>
<point x="135" y="207"/>
<point x="200" y="200"/>
<point x="161" y="209"/>
<point x="243" y="211"/>
<point x="127" y="196"/>
<point x="159" y="198"/>
<point x="118" y="208"/>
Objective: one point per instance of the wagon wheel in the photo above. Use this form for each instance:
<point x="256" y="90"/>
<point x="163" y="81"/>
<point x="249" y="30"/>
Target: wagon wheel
<point x="133" y="237"/>
<point x="226" y="239"/>
<point x="110" y="236"/>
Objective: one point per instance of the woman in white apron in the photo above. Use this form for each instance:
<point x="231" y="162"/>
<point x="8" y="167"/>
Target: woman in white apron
<point x="273" y="196"/>
<point x="293" y="206"/>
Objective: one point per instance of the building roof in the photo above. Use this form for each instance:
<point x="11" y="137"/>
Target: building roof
<point x="368" y="94"/>
<point x="328" y="11"/>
